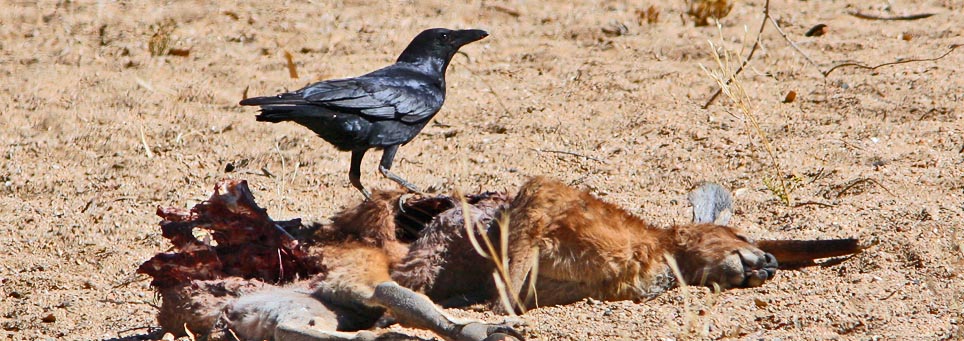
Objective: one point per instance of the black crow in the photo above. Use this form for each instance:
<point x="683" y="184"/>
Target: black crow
<point x="383" y="109"/>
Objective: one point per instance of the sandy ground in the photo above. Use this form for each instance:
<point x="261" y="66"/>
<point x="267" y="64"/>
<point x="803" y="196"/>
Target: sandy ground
<point x="95" y="133"/>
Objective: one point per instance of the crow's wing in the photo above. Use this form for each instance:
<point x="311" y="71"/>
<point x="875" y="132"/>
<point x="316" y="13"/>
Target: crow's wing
<point x="401" y="98"/>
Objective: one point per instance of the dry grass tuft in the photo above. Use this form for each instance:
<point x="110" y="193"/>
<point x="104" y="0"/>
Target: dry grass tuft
<point x="190" y="336"/>
<point x="160" y="42"/>
<point x="501" y="274"/>
<point x="702" y="10"/>
<point x="732" y="87"/>
<point x="650" y="15"/>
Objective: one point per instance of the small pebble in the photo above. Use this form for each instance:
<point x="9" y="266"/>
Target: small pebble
<point x="818" y="30"/>
<point x="791" y="96"/>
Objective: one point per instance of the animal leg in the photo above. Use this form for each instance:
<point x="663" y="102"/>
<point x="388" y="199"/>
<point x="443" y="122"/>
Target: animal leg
<point x="297" y="332"/>
<point x="388" y="155"/>
<point x="416" y="310"/>
<point x="282" y="314"/>
<point x="354" y="173"/>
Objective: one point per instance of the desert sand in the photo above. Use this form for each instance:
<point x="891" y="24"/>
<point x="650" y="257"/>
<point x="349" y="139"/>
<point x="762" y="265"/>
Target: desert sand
<point x="110" y="110"/>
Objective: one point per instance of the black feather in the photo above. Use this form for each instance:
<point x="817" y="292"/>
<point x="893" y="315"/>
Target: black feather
<point x="382" y="109"/>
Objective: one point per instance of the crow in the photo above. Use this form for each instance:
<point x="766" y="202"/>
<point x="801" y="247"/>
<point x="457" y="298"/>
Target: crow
<point x="383" y="109"/>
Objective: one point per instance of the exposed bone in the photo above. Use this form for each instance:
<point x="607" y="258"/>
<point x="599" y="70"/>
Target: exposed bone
<point x="258" y="282"/>
<point x="248" y="243"/>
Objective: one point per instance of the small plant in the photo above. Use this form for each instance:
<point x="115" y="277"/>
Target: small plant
<point x="160" y="41"/>
<point x="500" y="258"/>
<point x="702" y="10"/>
<point x="650" y="15"/>
<point x="784" y="193"/>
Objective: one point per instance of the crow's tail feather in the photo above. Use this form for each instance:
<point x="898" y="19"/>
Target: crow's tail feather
<point x="281" y="113"/>
<point x="288" y="98"/>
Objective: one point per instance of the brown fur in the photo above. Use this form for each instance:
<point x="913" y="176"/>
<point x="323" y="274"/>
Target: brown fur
<point x="564" y="245"/>
<point x="803" y="252"/>
<point x="585" y="247"/>
<point x="370" y="223"/>
<point x="442" y="264"/>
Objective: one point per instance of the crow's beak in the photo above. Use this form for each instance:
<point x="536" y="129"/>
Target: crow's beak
<point x="463" y="37"/>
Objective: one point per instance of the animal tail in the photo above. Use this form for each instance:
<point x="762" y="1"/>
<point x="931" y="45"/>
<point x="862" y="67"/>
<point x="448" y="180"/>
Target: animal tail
<point x="802" y="252"/>
<point x="711" y="204"/>
<point x="288" y="98"/>
<point x="284" y="107"/>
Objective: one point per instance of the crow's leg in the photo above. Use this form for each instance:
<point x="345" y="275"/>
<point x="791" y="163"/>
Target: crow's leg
<point x="354" y="173"/>
<point x="387" y="157"/>
<point x="412" y="309"/>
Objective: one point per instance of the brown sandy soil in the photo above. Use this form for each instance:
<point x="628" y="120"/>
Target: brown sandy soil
<point x="83" y="100"/>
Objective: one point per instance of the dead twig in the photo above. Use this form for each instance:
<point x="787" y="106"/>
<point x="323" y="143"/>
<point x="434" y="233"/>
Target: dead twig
<point x="826" y="73"/>
<point x="817" y="203"/>
<point x="123" y="302"/>
<point x="264" y="172"/>
<point x="903" y="61"/>
<point x="756" y="44"/>
<point x="290" y="62"/>
<point x="569" y="153"/>
<point x="148" y="329"/>
<point x="147" y="148"/>
<point x="510" y="11"/>
<point x="891" y="294"/>
<point x="860" y="181"/>
<point x="902" y="17"/>
<point x="793" y="44"/>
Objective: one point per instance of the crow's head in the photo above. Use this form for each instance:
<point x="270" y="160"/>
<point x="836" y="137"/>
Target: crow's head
<point x="438" y="45"/>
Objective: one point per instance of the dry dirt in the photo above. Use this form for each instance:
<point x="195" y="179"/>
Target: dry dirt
<point x="95" y="133"/>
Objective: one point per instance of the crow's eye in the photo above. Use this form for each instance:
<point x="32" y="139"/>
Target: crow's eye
<point x="445" y="37"/>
